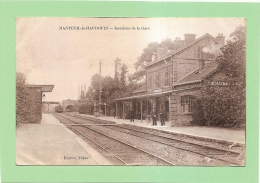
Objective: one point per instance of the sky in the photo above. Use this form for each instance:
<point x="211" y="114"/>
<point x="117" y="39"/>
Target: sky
<point x="65" y="52"/>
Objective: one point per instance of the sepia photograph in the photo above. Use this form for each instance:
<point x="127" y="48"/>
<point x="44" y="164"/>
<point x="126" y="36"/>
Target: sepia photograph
<point x="131" y="91"/>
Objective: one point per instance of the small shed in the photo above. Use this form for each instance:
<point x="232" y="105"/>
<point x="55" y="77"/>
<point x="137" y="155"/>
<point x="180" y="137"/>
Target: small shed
<point x="34" y="97"/>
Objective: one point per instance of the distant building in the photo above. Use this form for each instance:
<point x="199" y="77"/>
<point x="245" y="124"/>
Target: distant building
<point x="34" y="96"/>
<point x="70" y="105"/>
<point x="174" y="79"/>
<point x="49" y="107"/>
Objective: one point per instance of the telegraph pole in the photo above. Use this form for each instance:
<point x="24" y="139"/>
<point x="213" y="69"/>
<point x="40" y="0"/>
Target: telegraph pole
<point x="100" y="88"/>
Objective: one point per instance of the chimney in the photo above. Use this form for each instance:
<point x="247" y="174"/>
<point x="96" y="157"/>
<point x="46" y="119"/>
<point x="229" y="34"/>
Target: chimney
<point x="221" y="39"/>
<point x="201" y="65"/>
<point x="189" y="38"/>
<point x="178" y="43"/>
<point x="161" y="52"/>
<point x="201" y="60"/>
<point x="154" y="56"/>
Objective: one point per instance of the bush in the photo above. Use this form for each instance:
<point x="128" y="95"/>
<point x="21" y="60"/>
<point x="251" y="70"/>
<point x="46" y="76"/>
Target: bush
<point x="58" y="109"/>
<point x="21" y="98"/>
<point x="198" y="113"/>
<point x="226" y="106"/>
<point x="221" y="107"/>
<point x="86" y="109"/>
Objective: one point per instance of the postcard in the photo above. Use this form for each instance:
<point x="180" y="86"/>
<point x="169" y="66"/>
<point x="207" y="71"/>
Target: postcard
<point x="129" y="92"/>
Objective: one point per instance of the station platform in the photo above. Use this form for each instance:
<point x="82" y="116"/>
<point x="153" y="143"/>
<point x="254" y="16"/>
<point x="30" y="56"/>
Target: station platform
<point x="233" y="136"/>
<point x="51" y="143"/>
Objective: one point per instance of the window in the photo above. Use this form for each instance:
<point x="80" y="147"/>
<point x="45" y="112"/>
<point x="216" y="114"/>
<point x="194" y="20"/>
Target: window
<point x="149" y="84"/>
<point x="186" y="103"/>
<point x="172" y="72"/>
<point x="157" y="81"/>
<point x="166" y="78"/>
<point x="172" y="80"/>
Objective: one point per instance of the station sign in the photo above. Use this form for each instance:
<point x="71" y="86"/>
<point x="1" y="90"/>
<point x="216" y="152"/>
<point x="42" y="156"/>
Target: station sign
<point x="220" y="83"/>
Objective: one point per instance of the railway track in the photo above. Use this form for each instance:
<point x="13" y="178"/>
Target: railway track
<point x="172" y="147"/>
<point x="126" y="153"/>
<point x="228" y="146"/>
<point x="210" y="152"/>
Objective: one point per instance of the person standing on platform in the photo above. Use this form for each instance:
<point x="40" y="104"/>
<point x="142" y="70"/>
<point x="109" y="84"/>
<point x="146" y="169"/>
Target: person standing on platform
<point x="132" y="115"/>
<point x="114" y="113"/>
<point x="154" y="117"/>
<point x="162" y="117"/>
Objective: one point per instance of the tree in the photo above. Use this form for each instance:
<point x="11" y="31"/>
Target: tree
<point x="167" y="44"/>
<point x="226" y="106"/>
<point x="121" y="85"/>
<point x="147" y="55"/>
<point x="21" y="98"/>
<point x="233" y="64"/>
<point x="117" y="65"/>
<point x="138" y="77"/>
<point x="123" y="79"/>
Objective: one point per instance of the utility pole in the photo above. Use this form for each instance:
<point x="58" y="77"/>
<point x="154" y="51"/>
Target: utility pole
<point x="100" y="88"/>
<point x="79" y="94"/>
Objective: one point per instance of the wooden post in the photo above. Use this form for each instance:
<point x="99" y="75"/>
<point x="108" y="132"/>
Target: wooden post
<point x="169" y="108"/>
<point x="141" y="110"/>
<point x="116" y="110"/>
<point x="147" y="107"/>
<point x="123" y="110"/>
<point x="100" y="89"/>
<point x="169" y="99"/>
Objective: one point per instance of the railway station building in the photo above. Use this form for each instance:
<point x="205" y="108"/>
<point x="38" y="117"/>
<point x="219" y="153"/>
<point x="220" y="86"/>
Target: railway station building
<point x="174" y="79"/>
<point x="34" y="97"/>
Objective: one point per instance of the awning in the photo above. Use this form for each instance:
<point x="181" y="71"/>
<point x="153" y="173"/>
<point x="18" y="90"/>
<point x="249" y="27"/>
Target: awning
<point x="45" y="102"/>
<point x="45" y="88"/>
<point x="144" y="96"/>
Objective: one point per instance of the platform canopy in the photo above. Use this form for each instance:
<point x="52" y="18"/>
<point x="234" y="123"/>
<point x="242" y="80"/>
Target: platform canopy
<point x="45" y="88"/>
<point x="145" y="95"/>
<point x="46" y="102"/>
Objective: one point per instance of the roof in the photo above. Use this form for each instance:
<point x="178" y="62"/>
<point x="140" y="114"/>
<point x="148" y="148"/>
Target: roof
<point x="140" y="89"/>
<point x="174" y="52"/>
<point x="196" y="76"/>
<point x="145" y="95"/>
<point x="45" y="88"/>
<point x="192" y="78"/>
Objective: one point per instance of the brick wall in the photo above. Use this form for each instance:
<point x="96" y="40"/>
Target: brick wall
<point x="180" y="65"/>
<point x="177" y="117"/>
<point x="160" y="69"/>
<point x="183" y="66"/>
<point x="34" y="109"/>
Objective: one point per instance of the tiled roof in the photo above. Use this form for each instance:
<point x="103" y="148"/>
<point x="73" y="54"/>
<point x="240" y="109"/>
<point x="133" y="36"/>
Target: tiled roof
<point x="196" y="76"/>
<point x="171" y="53"/>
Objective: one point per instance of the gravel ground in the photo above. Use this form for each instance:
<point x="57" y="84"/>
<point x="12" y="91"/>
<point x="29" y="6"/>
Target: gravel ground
<point x="172" y="154"/>
<point x="130" y="155"/>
